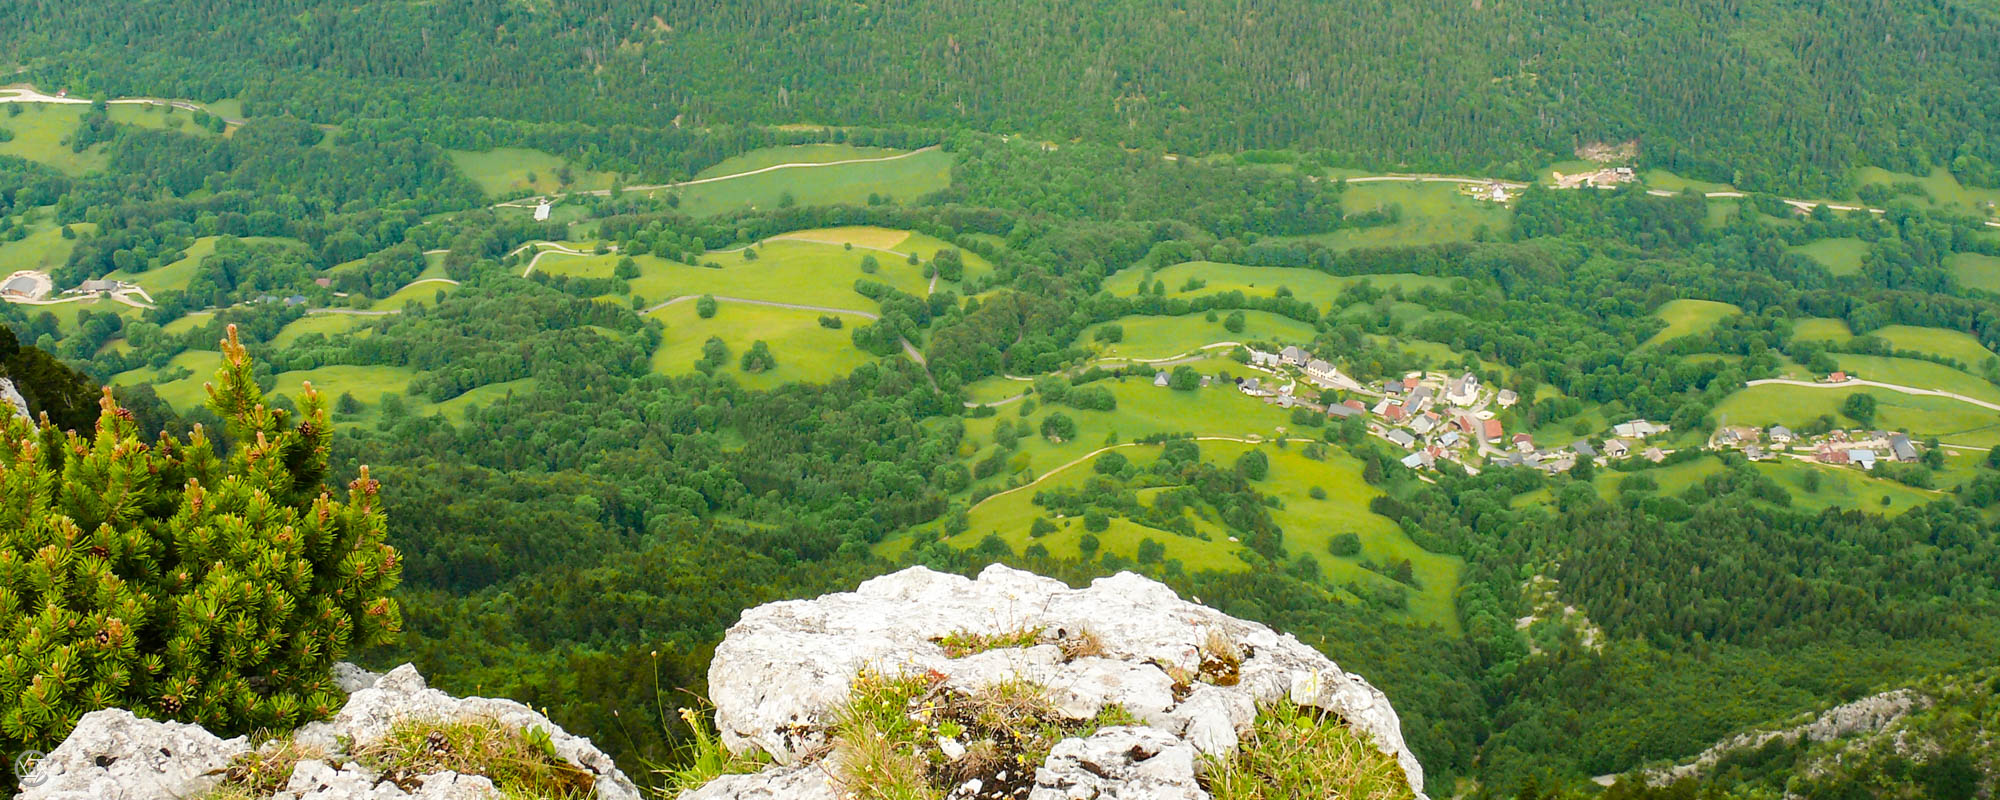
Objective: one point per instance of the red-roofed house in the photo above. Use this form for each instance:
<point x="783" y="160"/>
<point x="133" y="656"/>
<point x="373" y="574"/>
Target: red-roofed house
<point x="1493" y="430"/>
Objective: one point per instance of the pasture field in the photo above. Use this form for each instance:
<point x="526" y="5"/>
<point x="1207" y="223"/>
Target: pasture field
<point x="762" y="158"/>
<point x="1944" y="189"/>
<point x="1839" y="256"/>
<point x="329" y="325"/>
<point x="1432" y="213"/>
<point x="456" y="408"/>
<point x="1672" y="480"/>
<point x="896" y="244"/>
<point x="1936" y="341"/>
<point x="184" y="394"/>
<point x="187" y="322"/>
<point x="43" y="249"/>
<point x="1821" y="329"/>
<point x="1156" y="337"/>
<point x="806" y="273"/>
<point x="170" y="276"/>
<point x="1307" y="284"/>
<point x="368" y="384"/>
<point x="1688" y="317"/>
<point x="1843" y="487"/>
<point x="987" y="390"/>
<point x="1920" y="374"/>
<point x="1975" y="271"/>
<point x="1662" y="179"/>
<point x="1309" y="525"/>
<point x="805" y="351"/>
<point x="417" y="291"/>
<point x="66" y="313"/>
<point x="1952" y="421"/>
<point x="904" y="179"/>
<point x="505" y="172"/>
<point x="42" y="130"/>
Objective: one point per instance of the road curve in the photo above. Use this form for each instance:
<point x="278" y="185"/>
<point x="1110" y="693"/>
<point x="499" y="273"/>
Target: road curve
<point x="1877" y="384"/>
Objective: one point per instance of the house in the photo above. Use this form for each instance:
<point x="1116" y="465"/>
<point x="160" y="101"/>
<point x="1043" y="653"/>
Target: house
<point x="1252" y="387"/>
<point x="1654" y="454"/>
<point x="1413" y="460"/>
<point x="1507" y="398"/>
<point x="1492" y="430"/>
<point x="1582" y="447"/>
<point x="1393" y="388"/>
<point x="1639" y="429"/>
<point x="542" y="211"/>
<point x="323" y="283"/>
<point x="1755" y="453"/>
<point x="1779" y="434"/>
<point x="1832" y="455"/>
<point x="1617" y="448"/>
<point x="1344" y="410"/>
<point x="1865" y="458"/>
<point x="295" y="300"/>
<point x="1403" y="438"/>
<point x="1462" y="392"/>
<point x="1321" y="373"/>
<point x="1420" y="398"/>
<point x="1899" y="445"/>
<point x="1259" y="358"/>
<point x="1524" y="442"/>
<point x="1424" y="424"/>
<point x="1449" y="439"/>
<point x="1294" y="356"/>
<point x="1836" y="377"/>
<point x="1395" y="413"/>
<point x="98" y="287"/>
<point x="1469" y="425"/>
<point x="1160" y="379"/>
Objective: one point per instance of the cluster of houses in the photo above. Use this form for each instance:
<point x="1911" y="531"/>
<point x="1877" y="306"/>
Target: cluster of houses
<point x="1863" y="449"/>
<point x="100" y="287"/>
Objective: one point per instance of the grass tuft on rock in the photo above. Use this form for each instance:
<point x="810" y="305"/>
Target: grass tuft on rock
<point x="1296" y="752"/>
<point x="522" y="763"/>
<point x="959" y="644"/>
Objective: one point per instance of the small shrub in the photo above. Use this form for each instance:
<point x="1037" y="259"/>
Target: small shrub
<point x="959" y="644"/>
<point x="520" y="762"/>
<point x="1296" y="752"/>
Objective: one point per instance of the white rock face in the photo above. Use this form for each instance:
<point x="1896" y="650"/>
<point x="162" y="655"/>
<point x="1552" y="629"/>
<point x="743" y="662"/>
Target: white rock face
<point x="113" y="755"/>
<point x="785" y="665"/>
<point x="1119" y="764"/>
<point x="1868" y="714"/>
<point x="11" y="401"/>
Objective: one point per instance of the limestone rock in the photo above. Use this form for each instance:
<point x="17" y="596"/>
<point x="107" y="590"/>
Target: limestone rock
<point x="113" y="755"/>
<point x="785" y="783"/>
<point x="351" y="678"/>
<point x="1119" y="764"/>
<point x="11" y="401"/>
<point x="783" y="666"/>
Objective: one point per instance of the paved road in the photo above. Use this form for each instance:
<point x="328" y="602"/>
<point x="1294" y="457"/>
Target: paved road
<point x="1877" y="384"/>
<point x="29" y="94"/>
<point x="537" y="200"/>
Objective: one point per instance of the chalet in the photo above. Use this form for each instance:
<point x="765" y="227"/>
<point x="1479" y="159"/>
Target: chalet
<point x="1492" y="430"/>
<point x="1836" y="377"/>
<point x="1403" y="438"/>
<point x="1321" y="373"/>
<point x="1864" y="458"/>
<point x="1394" y="412"/>
<point x="1654" y="454"/>
<point x="1160" y="379"/>
<point x="295" y="300"/>
<point x="1900" y="447"/>
<point x="1468" y="425"/>
<point x="1617" y="448"/>
<point x="1524" y="442"/>
<point x="1393" y="388"/>
<point x="1462" y="392"/>
<point x="1252" y="387"/>
<point x="1414" y="460"/>
<point x="97" y="287"/>
<point x="1449" y="439"/>
<point x="1831" y="455"/>
<point x="1507" y="398"/>
<point x="1639" y="429"/>
<point x="323" y="283"/>
<point x="1424" y="424"/>
<point x="1582" y="448"/>
<point x="1259" y="358"/>
<point x="1420" y="398"/>
<point x="1294" y="356"/>
<point x="1345" y="410"/>
<point x="1779" y="435"/>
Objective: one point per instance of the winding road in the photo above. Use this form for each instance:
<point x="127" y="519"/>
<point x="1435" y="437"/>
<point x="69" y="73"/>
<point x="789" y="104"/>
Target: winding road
<point x="1877" y="384"/>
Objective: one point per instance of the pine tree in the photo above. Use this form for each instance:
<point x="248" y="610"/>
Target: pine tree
<point x="176" y="583"/>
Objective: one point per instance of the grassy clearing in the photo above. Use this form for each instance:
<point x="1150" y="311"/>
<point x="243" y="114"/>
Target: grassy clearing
<point x="858" y="235"/>
<point x="185" y="393"/>
<point x="904" y="179"/>
<point x="1301" y="752"/>
<point x="1839" y="256"/>
<point x="1952" y="421"/>
<point x="1975" y="271"/>
<point x="1821" y="329"/>
<point x="1920" y="374"/>
<point x="367" y="384"/>
<point x="171" y="276"/>
<point x="1150" y="337"/>
<point x="414" y="292"/>
<point x="1432" y="213"/>
<point x="1936" y="341"/>
<point x="794" y="154"/>
<point x="328" y="325"/>
<point x="987" y="390"/>
<point x="898" y="243"/>
<point x="518" y="171"/>
<point x="805" y="350"/>
<point x="1688" y="317"/>
<point x="806" y="273"/>
<point x="1307" y="284"/>
<point x="1841" y="487"/>
<point x="42" y="130"/>
<point x="43" y="249"/>
<point x="1662" y="179"/>
<point x="1945" y="191"/>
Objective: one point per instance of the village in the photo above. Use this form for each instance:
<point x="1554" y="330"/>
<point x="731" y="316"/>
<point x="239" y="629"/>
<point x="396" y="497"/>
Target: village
<point x="1442" y="417"/>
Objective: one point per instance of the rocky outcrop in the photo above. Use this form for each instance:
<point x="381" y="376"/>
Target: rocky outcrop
<point x="11" y="401"/>
<point x="1125" y="641"/>
<point x="1866" y="715"/>
<point x="113" y="755"/>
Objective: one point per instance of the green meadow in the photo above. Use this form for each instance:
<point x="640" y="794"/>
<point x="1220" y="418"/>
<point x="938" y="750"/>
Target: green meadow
<point x="42" y="130"/>
<point x="1432" y="213"/>
<point x="1662" y="179"/>
<point x="170" y="276"/>
<point x="904" y="179"/>
<point x="1156" y="337"/>
<point x="1953" y="421"/>
<point x="804" y="350"/>
<point x="1919" y="374"/>
<point x="766" y="157"/>
<point x="1936" y="341"/>
<point x="1216" y="278"/>
<point x="1975" y="271"/>
<point x="784" y="271"/>
<point x="1688" y="317"/>
<point x="1839" y="256"/>
<point x="1842" y="487"/>
<point x="329" y="325"/>
<point x="1943" y="189"/>
<point x="43" y="249"/>
<point x="1821" y="329"/>
<point x="518" y="171"/>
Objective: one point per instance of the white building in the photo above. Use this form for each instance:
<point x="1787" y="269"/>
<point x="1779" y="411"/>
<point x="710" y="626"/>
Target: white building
<point x="1464" y="391"/>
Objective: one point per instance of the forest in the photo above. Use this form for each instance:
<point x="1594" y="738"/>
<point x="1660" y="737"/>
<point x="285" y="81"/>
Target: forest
<point x="586" y="479"/>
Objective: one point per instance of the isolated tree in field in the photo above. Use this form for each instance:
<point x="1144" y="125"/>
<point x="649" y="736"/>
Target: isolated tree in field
<point x="704" y="306"/>
<point x="950" y="265"/>
<point x="758" y="358"/>
<point x="1253" y="465"/>
<point x="1088" y="543"/>
<point x="182" y="585"/>
<point x="347" y="405"/>
<point x="1110" y="334"/>
<point x="869" y="265"/>
<point x="1184" y="379"/>
<point x="1111" y="463"/>
<point x="1859" y="407"/>
<point x="626" y="270"/>
<point x="913" y="258"/>
<point x="714" y="353"/>
<point x="1095" y="520"/>
<point x="1234" y="322"/>
<point x="1345" y="545"/>
<point x="1041" y="527"/>
<point x="1059" y="427"/>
